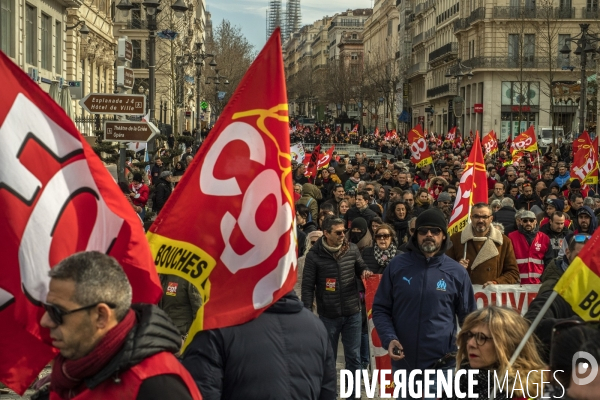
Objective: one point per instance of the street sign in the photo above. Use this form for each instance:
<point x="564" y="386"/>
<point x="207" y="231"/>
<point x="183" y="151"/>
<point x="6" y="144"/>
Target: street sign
<point x="125" y="50"/>
<point x="76" y="89"/>
<point x="118" y="104"/>
<point x="128" y="131"/>
<point x="125" y="77"/>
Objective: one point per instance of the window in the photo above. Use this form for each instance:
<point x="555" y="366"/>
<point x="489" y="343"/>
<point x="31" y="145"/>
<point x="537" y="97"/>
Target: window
<point x="354" y="56"/>
<point x="136" y="61"/>
<point x="7" y="16"/>
<point x="529" y="50"/>
<point x="46" y="42"/>
<point x="389" y="30"/>
<point x="136" y="17"/>
<point x="592" y="5"/>
<point x="31" y="35"/>
<point x="513" y="50"/>
<point x="58" y="48"/>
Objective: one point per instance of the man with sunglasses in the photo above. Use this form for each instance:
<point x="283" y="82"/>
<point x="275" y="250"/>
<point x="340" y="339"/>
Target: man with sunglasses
<point x="107" y="345"/>
<point x="532" y="249"/>
<point x="421" y="296"/>
<point x="490" y="258"/>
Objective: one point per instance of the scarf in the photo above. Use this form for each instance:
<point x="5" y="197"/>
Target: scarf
<point x="136" y="187"/>
<point x="337" y="252"/>
<point x="355" y="180"/>
<point x="68" y="375"/>
<point x="383" y="257"/>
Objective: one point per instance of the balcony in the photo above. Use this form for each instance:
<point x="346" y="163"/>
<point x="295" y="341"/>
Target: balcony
<point x="449" y="48"/>
<point x="429" y="33"/>
<point x="515" y="12"/>
<point x="137" y="23"/>
<point x="460" y="25"/>
<point x="590" y="13"/>
<point x="417" y="69"/>
<point x="476" y="15"/>
<point x="356" y="24"/>
<point x="417" y="39"/>
<point x="447" y="89"/>
<point x="420" y="8"/>
<point x="526" y="62"/>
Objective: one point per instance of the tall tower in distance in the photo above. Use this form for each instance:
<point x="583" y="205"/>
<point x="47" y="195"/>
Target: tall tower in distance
<point x="274" y="17"/>
<point x="293" y="18"/>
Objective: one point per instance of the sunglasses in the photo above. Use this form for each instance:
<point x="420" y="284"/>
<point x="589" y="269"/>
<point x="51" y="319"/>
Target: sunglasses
<point x="580" y="238"/>
<point x="56" y="314"/>
<point x="528" y="220"/>
<point x="425" y="230"/>
<point x="339" y="233"/>
<point x="382" y="236"/>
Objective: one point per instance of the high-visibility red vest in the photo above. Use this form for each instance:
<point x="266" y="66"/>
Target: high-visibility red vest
<point x="129" y="382"/>
<point x="530" y="258"/>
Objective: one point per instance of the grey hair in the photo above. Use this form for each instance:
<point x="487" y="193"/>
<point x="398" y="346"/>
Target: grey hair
<point x="498" y="226"/>
<point x="98" y="279"/>
<point x="165" y="174"/>
<point x="507" y="202"/>
<point x="495" y="203"/>
<point x="590" y="202"/>
<point x="519" y="214"/>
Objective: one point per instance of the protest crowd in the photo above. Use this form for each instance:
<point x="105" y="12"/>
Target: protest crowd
<point x="398" y="243"/>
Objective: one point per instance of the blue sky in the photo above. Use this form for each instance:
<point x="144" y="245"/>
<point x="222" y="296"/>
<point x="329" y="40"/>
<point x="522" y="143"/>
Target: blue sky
<point x="250" y="15"/>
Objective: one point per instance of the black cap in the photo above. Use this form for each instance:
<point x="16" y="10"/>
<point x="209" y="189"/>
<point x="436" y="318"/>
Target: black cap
<point x="432" y="217"/>
<point x="138" y="177"/>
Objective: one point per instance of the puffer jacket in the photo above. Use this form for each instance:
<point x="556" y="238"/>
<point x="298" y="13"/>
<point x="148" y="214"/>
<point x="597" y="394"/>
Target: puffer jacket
<point x="332" y="282"/>
<point x="310" y="197"/>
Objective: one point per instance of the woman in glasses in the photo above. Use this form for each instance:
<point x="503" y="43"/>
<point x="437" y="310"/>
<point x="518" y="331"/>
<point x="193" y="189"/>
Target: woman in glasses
<point x="486" y="342"/>
<point x="385" y="247"/>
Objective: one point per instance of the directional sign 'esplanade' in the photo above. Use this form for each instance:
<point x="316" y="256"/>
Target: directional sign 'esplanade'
<point x="118" y="104"/>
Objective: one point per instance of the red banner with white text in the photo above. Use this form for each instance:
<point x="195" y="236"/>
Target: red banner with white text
<point x="489" y="144"/>
<point x="239" y="243"/>
<point x="585" y="160"/>
<point x="419" y="150"/>
<point x="526" y="141"/>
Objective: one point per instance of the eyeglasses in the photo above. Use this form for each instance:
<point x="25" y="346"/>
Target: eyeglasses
<point x="480" y="216"/>
<point x="425" y="230"/>
<point x="511" y="175"/>
<point x="339" y="233"/>
<point x="56" y="314"/>
<point x="528" y="220"/>
<point x="382" y="236"/>
<point x="480" y="338"/>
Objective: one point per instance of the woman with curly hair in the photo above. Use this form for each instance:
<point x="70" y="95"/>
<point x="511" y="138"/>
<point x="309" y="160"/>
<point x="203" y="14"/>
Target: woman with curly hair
<point x="486" y="342"/>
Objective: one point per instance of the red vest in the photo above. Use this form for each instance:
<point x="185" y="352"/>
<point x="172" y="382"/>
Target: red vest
<point x="530" y="259"/>
<point x="127" y="389"/>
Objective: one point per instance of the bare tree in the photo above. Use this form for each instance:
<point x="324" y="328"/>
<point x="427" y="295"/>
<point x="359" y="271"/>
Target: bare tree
<point x="383" y="71"/>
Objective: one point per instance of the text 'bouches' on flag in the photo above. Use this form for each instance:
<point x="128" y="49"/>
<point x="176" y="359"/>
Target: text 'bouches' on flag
<point x="419" y="149"/>
<point x="585" y="160"/>
<point x="472" y="189"/>
<point x="526" y="141"/>
<point x="238" y="247"/>
<point x="489" y="143"/>
<point x="580" y="283"/>
<point x="56" y="199"/>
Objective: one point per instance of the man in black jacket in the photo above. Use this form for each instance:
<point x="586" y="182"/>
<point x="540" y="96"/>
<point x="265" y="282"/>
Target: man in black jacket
<point x="284" y="353"/>
<point x="556" y="231"/>
<point x="360" y="209"/>
<point x="506" y="215"/>
<point x="331" y="269"/>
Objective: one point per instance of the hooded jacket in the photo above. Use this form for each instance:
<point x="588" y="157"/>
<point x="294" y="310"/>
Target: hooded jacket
<point x="591" y="230"/>
<point x="417" y="303"/>
<point x="310" y="197"/>
<point x="282" y="354"/>
<point x="332" y="282"/>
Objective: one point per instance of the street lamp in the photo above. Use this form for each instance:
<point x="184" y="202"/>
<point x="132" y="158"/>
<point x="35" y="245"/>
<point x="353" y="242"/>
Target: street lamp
<point x="152" y="8"/>
<point x="586" y="43"/>
<point x="84" y="30"/>
<point x="199" y="57"/>
<point x="458" y="72"/>
<point x="217" y="81"/>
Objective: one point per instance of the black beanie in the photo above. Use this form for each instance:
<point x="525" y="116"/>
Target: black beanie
<point x="432" y="217"/>
<point x="359" y="223"/>
<point x="138" y="177"/>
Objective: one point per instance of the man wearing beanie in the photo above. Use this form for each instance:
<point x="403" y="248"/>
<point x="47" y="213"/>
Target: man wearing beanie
<point x="139" y="193"/>
<point x="552" y="206"/>
<point x="421" y="295"/>
<point x="490" y="258"/>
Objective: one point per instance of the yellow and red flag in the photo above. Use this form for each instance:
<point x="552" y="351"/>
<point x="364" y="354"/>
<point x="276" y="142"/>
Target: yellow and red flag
<point x="526" y="141"/>
<point x="325" y="159"/>
<point x="580" y="284"/>
<point x="419" y="150"/>
<point x="585" y="160"/>
<point x="239" y="245"/>
<point x="489" y="143"/>
<point x="472" y="189"/>
<point x="56" y="199"/>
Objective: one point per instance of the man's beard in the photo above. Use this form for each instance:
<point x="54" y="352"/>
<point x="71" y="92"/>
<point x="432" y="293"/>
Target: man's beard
<point x="481" y="228"/>
<point x="429" y="246"/>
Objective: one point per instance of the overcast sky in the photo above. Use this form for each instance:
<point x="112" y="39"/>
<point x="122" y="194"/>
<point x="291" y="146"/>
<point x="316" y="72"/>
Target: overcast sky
<point x="250" y="15"/>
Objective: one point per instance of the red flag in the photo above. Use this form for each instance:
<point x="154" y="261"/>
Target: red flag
<point x="508" y="143"/>
<point x="458" y="142"/>
<point x="451" y="134"/>
<point x="318" y="131"/>
<point x="420" y="155"/>
<point x="327" y="131"/>
<point x="325" y="158"/>
<point x="585" y="160"/>
<point x="490" y="143"/>
<point x="56" y="199"/>
<point x="471" y="134"/>
<point x="242" y="264"/>
<point x="526" y="141"/>
<point x="583" y="140"/>
<point x="439" y="141"/>
<point x="472" y="189"/>
<point x="311" y="162"/>
<point x="355" y="129"/>
<point x="376" y="131"/>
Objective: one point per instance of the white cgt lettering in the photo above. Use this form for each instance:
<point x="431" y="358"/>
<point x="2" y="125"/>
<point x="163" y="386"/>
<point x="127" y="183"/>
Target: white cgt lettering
<point x="460" y="195"/>
<point x="263" y="185"/>
<point x="26" y="121"/>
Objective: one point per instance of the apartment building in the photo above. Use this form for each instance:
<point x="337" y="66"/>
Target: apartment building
<point x="510" y="47"/>
<point x="350" y="21"/>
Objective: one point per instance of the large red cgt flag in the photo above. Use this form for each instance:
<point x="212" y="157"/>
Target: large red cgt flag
<point x="526" y="141"/>
<point x="419" y="150"/>
<point x="56" y="198"/>
<point x="472" y="189"/>
<point x="489" y="143"/>
<point x="585" y="160"/>
<point x="239" y="243"/>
